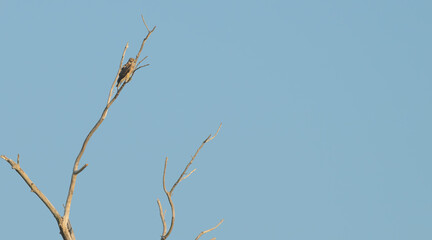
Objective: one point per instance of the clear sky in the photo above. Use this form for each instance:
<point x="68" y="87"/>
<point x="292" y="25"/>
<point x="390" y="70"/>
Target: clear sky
<point x="325" y="105"/>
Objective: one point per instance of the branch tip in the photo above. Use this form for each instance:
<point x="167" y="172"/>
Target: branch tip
<point x="142" y="60"/>
<point x="145" y="23"/>
<point x="188" y="175"/>
<point x="209" y="230"/>
<point x="115" y="80"/>
<point x="81" y="169"/>
<point x="210" y="137"/>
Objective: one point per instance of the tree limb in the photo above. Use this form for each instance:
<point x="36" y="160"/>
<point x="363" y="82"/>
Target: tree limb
<point x="96" y="126"/>
<point x="33" y="187"/>
<point x="208" y="139"/>
<point x="169" y="193"/>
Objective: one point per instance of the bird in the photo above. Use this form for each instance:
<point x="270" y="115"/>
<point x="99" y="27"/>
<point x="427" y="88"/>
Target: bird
<point x="126" y="72"/>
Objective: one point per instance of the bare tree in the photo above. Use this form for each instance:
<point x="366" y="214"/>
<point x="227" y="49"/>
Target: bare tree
<point x="124" y="75"/>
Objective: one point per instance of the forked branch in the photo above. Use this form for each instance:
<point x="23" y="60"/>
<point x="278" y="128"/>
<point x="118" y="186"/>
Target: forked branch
<point x="208" y="139"/>
<point x="110" y="101"/>
<point x="137" y="66"/>
<point x="165" y="232"/>
<point x="63" y="221"/>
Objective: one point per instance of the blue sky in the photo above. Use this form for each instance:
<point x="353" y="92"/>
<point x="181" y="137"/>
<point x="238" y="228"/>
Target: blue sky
<point x="325" y="105"/>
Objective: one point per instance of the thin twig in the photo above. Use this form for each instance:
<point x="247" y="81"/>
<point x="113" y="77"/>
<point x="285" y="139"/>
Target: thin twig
<point x="162" y="215"/>
<point x="118" y="72"/>
<point x="164" y="173"/>
<point x="208" y="139"/>
<point x="211" y="229"/>
<point x="142" y="60"/>
<point x="188" y="175"/>
<point x="82" y="168"/>
<point x="145" y="23"/>
<point x="139" y="68"/>
<point x="143" y="42"/>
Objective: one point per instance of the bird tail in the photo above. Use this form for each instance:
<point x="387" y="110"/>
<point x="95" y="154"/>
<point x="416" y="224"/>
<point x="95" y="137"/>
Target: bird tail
<point x="119" y="82"/>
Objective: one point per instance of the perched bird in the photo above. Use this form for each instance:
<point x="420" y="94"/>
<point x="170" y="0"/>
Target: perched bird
<point x="126" y="72"/>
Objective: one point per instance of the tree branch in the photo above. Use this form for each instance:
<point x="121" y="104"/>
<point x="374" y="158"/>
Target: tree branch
<point x="208" y="139"/>
<point x="145" y="39"/>
<point x="118" y="72"/>
<point x="211" y="229"/>
<point x="137" y="67"/>
<point x="33" y="187"/>
<point x="162" y="215"/>
<point x="82" y="168"/>
<point x="66" y="230"/>
<point x="96" y="126"/>
<point x="169" y="193"/>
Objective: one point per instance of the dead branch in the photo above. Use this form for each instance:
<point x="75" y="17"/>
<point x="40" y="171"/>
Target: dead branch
<point x="137" y="66"/>
<point x="101" y="119"/>
<point x="145" y="39"/>
<point x="209" y="230"/>
<point x="66" y="230"/>
<point x="208" y="139"/>
<point x="33" y="187"/>
<point x="118" y="72"/>
<point x="162" y="215"/>
<point x="63" y="222"/>
<point x="182" y="177"/>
